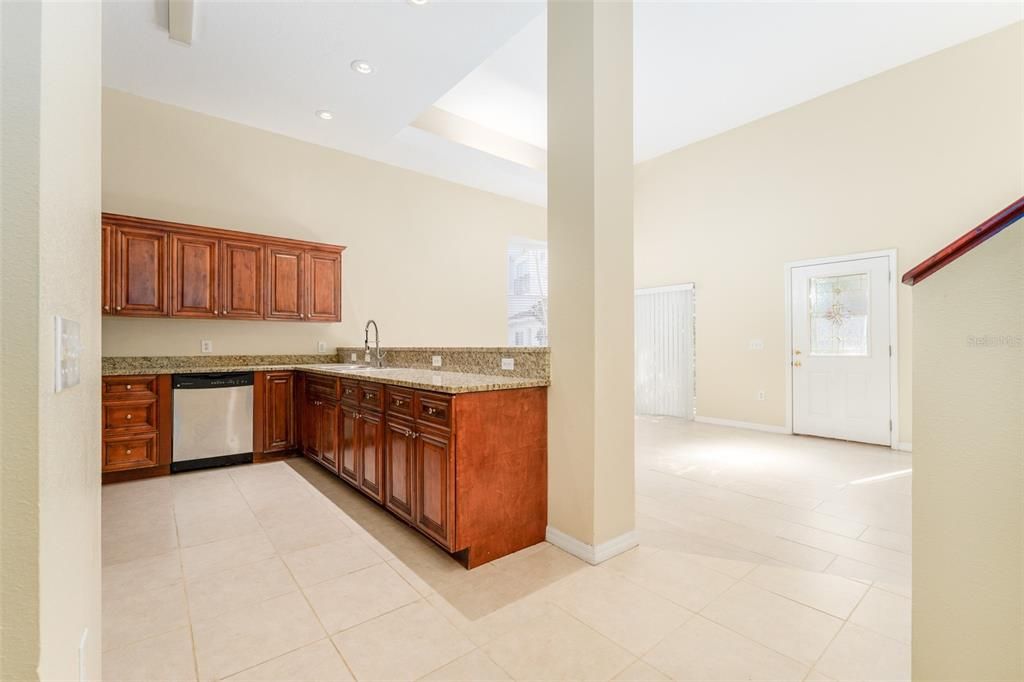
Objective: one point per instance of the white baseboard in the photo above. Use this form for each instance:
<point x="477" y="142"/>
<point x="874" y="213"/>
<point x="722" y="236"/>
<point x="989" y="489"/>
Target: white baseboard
<point x="590" y="553"/>
<point x="753" y="426"/>
<point x="903" y="447"/>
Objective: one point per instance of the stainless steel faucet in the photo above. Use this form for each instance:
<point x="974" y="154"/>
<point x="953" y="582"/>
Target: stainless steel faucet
<point x="376" y="338"/>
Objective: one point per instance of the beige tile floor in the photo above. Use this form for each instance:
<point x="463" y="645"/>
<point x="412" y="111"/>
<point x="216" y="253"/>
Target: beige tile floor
<point x="762" y="557"/>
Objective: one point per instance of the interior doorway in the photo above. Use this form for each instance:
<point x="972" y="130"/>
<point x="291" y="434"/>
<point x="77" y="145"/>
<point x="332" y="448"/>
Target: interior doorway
<point x="664" y="351"/>
<point x="841" y="364"/>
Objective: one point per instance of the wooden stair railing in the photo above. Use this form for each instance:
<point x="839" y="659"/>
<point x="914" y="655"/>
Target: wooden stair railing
<point x="990" y="228"/>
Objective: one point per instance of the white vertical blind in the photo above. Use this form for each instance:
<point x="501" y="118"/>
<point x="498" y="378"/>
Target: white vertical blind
<point x="664" y="351"/>
<point x="527" y="292"/>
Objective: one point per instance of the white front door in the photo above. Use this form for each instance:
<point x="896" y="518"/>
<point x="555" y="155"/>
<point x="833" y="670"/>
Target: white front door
<point x="841" y="349"/>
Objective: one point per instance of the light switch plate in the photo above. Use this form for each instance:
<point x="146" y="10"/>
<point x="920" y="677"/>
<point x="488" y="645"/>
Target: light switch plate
<point x="756" y="344"/>
<point x="508" y="363"/>
<point x="760" y="395"/>
<point x="68" y="352"/>
<point x="206" y="346"/>
<point x="435" y="360"/>
<point x="321" y="346"/>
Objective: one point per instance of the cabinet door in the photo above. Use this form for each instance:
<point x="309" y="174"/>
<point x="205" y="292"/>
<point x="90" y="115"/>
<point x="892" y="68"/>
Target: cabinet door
<point x="140" y="283"/>
<point x="311" y="426"/>
<point x="241" y="272"/>
<point x="435" y="474"/>
<point x="193" y="276"/>
<point x="284" y="284"/>
<point x="371" y="452"/>
<point x="278" y="412"/>
<point x="348" y="464"/>
<point x="330" y="413"/>
<point x="400" y="467"/>
<point x="107" y="270"/>
<point x="323" y="273"/>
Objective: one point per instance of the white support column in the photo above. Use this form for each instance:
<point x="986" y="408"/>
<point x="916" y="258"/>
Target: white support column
<point x="591" y="507"/>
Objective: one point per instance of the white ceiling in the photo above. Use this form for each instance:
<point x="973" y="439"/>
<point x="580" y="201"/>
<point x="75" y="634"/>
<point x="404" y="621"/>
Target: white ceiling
<point x="701" y="68"/>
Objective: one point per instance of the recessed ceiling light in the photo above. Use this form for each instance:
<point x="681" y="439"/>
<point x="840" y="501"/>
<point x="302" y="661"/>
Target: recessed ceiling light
<point x="363" y="67"/>
<point x="418" y="2"/>
<point x="324" y="114"/>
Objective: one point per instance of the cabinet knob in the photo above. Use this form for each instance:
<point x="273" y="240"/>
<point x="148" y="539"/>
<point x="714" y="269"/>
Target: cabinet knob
<point x="399" y="403"/>
<point x="118" y="307"/>
<point x="128" y="416"/>
<point x="223" y="312"/>
<point x="128" y="451"/>
<point x="301" y="315"/>
<point x="431" y="411"/>
<point x="129" y="387"/>
<point x="106" y="307"/>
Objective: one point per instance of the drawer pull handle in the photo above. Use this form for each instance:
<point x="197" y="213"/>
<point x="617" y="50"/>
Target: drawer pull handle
<point x="399" y="403"/>
<point x="431" y="411"/>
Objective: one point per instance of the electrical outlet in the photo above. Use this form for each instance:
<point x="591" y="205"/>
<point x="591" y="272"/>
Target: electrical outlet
<point x="435" y="360"/>
<point x="760" y="395"/>
<point x="354" y="357"/>
<point x="206" y="346"/>
<point x="321" y="346"/>
<point x="508" y="363"/>
<point x="756" y="344"/>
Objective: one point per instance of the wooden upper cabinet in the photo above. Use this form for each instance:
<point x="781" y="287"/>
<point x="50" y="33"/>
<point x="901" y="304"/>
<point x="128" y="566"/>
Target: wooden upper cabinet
<point x="241" y="274"/>
<point x="194" y="267"/>
<point x="323" y="273"/>
<point x="140" y="281"/>
<point x="157" y="268"/>
<point x="107" y="269"/>
<point x="284" y="284"/>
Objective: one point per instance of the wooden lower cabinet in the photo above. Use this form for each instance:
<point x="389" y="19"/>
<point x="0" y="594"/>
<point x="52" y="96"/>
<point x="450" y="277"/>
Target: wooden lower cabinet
<point x="434" y="492"/>
<point x="137" y="425"/>
<point x="399" y="466"/>
<point x="371" y="454"/>
<point x="348" y="467"/>
<point x="278" y="417"/>
<point x="329" y="415"/>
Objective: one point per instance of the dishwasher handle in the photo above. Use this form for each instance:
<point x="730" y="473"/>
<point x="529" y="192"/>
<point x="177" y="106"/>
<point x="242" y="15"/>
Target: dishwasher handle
<point x="212" y="380"/>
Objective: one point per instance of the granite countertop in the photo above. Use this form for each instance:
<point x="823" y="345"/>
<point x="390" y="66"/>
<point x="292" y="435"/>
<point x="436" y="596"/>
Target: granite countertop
<point x="426" y="379"/>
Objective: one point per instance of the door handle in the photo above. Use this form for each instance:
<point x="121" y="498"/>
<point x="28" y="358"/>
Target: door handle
<point x="796" y="363"/>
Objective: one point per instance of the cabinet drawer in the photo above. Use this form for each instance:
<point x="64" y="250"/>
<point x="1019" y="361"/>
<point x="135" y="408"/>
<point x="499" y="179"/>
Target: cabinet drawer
<point x="326" y="387"/>
<point x="399" y="401"/>
<point x="434" y="408"/>
<point x="129" y="387"/>
<point x="133" y="452"/>
<point x="371" y="396"/>
<point x="132" y="415"/>
<point x="350" y="392"/>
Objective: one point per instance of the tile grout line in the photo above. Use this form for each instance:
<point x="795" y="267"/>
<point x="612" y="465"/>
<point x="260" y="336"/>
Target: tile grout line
<point x="305" y="597"/>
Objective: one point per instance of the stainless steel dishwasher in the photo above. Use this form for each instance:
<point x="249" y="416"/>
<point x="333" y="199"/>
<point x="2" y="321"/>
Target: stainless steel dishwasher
<point x="212" y="420"/>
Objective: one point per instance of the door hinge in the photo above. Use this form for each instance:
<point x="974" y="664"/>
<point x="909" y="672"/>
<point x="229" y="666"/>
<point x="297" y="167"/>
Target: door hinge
<point x="890" y="425"/>
<point x="890" y="350"/>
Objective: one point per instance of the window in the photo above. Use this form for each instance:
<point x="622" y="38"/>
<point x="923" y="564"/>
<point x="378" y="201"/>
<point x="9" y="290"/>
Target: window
<point x="527" y="292"/>
<point x="839" y="315"/>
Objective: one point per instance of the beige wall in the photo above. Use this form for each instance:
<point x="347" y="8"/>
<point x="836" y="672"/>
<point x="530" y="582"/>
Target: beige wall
<point x="425" y="257"/>
<point x="50" y="477"/>
<point x="908" y="159"/>
<point x="969" y="466"/>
